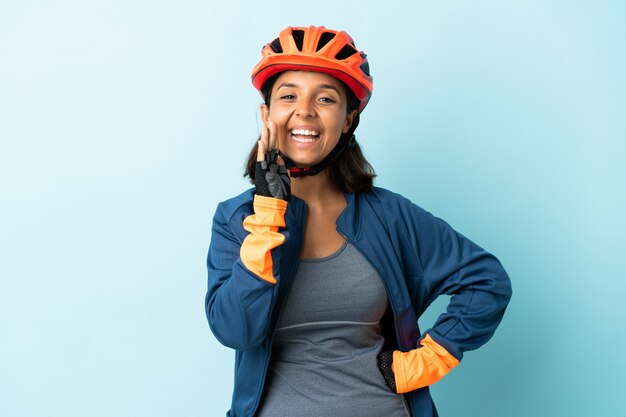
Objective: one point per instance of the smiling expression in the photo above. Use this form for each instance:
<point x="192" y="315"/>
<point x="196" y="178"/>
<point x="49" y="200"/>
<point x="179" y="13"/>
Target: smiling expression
<point x="309" y="110"/>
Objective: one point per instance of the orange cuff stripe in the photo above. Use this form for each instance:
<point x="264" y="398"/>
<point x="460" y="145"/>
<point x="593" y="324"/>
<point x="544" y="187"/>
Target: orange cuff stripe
<point x="269" y="203"/>
<point x="422" y="366"/>
<point x="255" y="252"/>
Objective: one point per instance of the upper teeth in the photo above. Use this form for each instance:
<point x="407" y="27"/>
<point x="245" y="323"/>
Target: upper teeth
<point x="304" y="132"/>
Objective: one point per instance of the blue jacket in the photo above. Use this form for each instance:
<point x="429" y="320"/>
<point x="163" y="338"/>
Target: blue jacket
<point x="417" y="255"/>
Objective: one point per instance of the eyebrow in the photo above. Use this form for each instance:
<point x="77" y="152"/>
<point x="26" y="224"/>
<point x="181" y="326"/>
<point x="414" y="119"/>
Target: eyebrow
<point x="322" y="86"/>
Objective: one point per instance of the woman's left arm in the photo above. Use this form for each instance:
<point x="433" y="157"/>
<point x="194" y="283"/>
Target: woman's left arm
<point x="480" y="290"/>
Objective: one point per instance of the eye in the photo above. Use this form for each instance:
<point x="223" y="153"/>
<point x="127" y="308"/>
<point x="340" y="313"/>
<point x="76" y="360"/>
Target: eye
<point x="287" y="97"/>
<point x="328" y="100"/>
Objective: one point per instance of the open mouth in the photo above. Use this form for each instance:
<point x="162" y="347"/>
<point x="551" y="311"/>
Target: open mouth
<point x="304" y="136"/>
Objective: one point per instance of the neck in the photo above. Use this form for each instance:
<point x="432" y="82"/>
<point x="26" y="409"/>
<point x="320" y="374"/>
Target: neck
<point x="315" y="189"/>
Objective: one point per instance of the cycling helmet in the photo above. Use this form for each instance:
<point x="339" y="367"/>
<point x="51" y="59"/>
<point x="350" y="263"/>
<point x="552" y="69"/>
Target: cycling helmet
<point x="316" y="49"/>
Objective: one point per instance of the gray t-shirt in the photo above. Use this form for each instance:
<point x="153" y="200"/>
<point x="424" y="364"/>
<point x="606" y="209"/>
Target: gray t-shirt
<point x="326" y="342"/>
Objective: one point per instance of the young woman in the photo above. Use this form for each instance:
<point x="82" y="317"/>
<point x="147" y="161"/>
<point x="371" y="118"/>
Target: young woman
<point x="316" y="277"/>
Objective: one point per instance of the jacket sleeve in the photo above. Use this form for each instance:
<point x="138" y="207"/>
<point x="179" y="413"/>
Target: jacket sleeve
<point x="242" y="270"/>
<point x="480" y="290"/>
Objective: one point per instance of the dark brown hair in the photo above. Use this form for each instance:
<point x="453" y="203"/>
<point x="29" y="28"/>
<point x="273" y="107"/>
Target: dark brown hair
<point x="350" y="173"/>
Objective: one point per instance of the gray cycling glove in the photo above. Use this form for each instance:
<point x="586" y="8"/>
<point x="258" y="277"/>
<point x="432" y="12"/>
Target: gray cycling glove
<point x="272" y="179"/>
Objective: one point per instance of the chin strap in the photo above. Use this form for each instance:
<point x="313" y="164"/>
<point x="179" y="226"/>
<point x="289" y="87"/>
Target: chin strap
<point x="295" y="171"/>
<point x="347" y="141"/>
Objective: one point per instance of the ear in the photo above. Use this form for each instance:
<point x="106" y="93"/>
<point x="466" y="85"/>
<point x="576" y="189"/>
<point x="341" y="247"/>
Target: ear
<point x="349" y="119"/>
<point x="265" y="114"/>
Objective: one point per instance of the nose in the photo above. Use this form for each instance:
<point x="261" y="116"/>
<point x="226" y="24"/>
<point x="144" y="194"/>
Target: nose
<point x="305" y="109"/>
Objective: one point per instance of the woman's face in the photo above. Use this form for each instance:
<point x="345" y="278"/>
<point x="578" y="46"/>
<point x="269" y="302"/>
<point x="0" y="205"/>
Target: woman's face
<point x="309" y="112"/>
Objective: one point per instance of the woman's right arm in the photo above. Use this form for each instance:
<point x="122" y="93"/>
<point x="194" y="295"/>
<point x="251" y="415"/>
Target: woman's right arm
<point x="243" y="268"/>
<point x="243" y="272"/>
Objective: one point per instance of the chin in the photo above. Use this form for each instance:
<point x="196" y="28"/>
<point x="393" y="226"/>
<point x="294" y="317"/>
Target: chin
<point x="306" y="163"/>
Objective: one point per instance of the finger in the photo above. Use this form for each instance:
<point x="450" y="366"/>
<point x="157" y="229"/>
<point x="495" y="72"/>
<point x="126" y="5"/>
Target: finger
<point x="260" y="156"/>
<point x="263" y="144"/>
<point x="273" y="142"/>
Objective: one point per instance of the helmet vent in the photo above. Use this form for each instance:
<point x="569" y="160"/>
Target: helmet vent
<point x="324" y="39"/>
<point x="365" y="67"/>
<point x="276" y="46"/>
<point x="346" y="52"/>
<point x="298" y="37"/>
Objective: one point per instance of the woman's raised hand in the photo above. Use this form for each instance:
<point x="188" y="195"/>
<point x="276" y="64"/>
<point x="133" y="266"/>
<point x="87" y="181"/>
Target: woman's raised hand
<point x="271" y="178"/>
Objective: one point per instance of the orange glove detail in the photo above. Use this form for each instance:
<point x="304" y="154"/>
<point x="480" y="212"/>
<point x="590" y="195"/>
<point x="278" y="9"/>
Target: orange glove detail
<point x="255" y="252"/>
<point x="422" y="366"/>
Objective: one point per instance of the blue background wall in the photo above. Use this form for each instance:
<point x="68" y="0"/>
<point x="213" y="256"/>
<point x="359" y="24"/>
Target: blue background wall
<point x="124" y="123"/>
